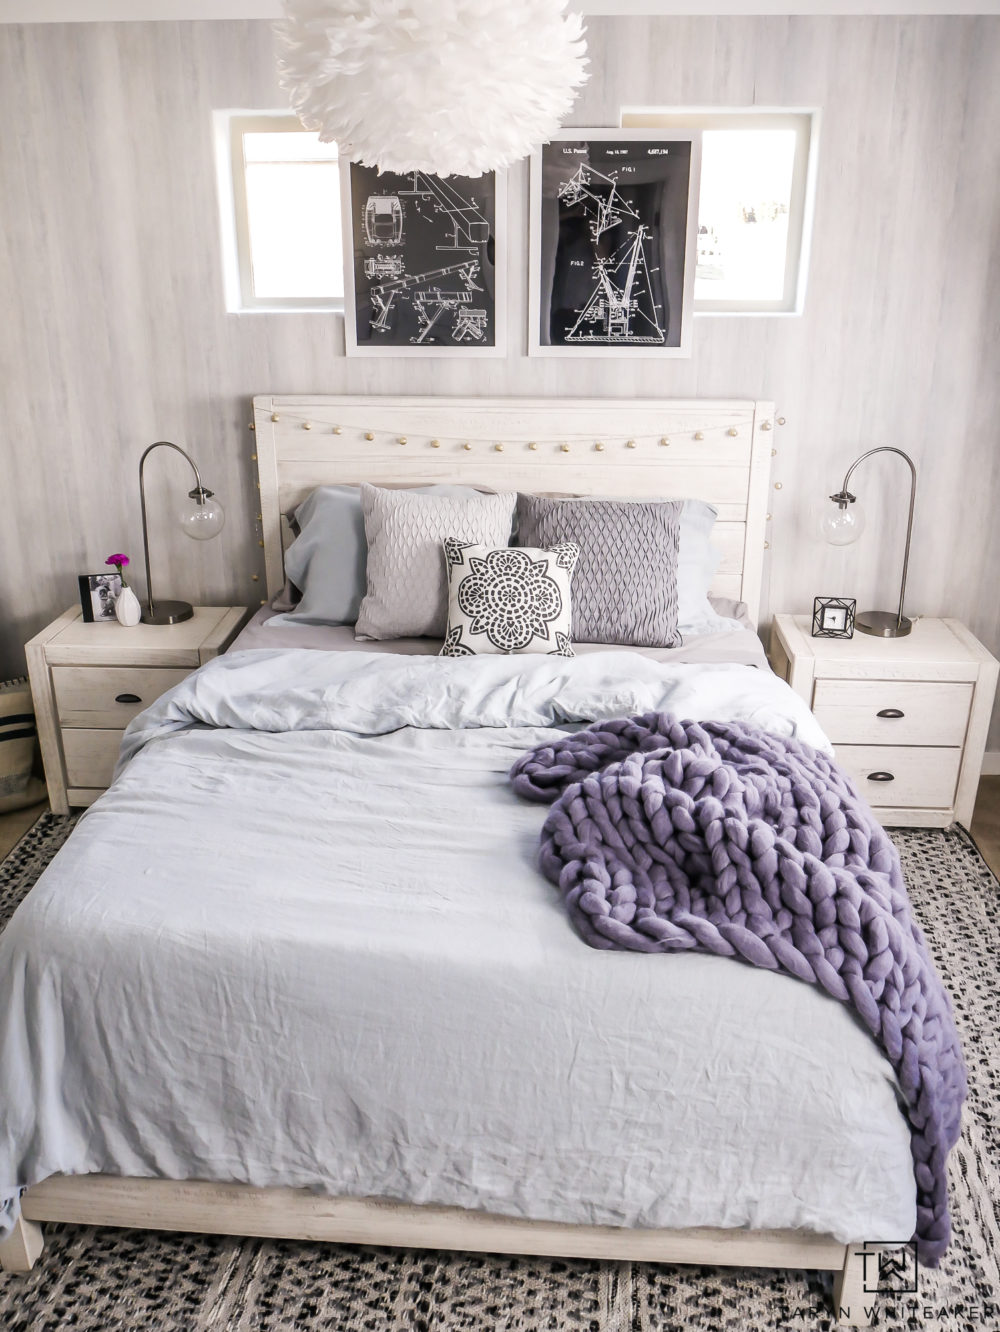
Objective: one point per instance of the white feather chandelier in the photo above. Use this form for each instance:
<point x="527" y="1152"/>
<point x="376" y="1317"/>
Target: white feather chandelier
<point x="453" y="87"/>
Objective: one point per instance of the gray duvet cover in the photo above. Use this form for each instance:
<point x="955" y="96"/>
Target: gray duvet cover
<point x="302" y="940"/>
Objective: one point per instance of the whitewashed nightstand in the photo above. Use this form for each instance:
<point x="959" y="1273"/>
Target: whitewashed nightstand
<point x="89" y="680"/>
<point x="907" y="716"/>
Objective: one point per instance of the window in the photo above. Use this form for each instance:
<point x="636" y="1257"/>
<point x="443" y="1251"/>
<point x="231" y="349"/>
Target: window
<point x="280" y="195"/>
<point x="754" y="208"/>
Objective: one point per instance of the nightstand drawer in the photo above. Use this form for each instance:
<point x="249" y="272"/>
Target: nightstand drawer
<point x="892" y="712"/>
<point x="90" y="756"/>
<point x="109" y="696"/>
<point x="903" y="775"/>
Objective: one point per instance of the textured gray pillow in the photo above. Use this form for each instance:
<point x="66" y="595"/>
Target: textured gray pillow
<point x="326" y="561"/>
<point x="407" y="593"/>
<point x="697" y="561"/>
<point x="625" y="584"/>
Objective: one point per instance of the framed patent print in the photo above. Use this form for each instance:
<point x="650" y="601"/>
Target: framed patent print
<point x="614" y="221"/>
<point x="424" y="263"/>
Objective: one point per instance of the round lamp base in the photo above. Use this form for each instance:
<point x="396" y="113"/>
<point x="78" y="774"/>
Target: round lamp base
<point x="167" y="612"/>
<point x="883" y="624"/>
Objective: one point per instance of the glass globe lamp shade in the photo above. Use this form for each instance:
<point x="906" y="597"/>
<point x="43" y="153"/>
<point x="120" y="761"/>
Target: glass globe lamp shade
<point x="202" y="520"/>
<point x="841" y="526"/>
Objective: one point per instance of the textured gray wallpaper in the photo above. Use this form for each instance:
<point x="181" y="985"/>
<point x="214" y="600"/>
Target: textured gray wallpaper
<point x="113" y="330"/>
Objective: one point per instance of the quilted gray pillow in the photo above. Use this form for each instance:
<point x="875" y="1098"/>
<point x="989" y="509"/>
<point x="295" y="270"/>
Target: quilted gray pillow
<point x="625" y="584"/>
<point x="407" y="594"/>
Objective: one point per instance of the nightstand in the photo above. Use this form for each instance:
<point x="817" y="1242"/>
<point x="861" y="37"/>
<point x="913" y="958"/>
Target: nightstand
<point x="907" y="716"/>
<point x="89" y="680"/>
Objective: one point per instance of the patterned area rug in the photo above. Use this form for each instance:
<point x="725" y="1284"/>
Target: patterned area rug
<point x="132" y="1281"/>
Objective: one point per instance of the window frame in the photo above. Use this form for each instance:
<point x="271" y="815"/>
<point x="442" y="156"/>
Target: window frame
<point x="230" y="127"/>
<point x="805" y="122"/>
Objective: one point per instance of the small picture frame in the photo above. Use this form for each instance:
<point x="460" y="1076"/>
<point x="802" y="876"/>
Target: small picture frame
<point x="833" y="617"/>
<point x="98" y="594"/>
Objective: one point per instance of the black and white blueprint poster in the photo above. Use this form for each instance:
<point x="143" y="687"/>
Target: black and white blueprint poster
<point x="613" y="243"/>
<point x="425" y="263"/>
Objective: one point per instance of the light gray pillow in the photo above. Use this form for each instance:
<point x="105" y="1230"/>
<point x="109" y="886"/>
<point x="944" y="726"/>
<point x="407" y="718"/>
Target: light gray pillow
<point x="407" y="594"/>
<point x="625" y="584"/>
<point x="697" y="561"/>
<point x="508" y="600"/>
<point x="326" y="561"/>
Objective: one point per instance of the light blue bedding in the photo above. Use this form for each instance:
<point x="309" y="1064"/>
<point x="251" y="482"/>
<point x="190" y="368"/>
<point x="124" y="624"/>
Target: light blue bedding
<point x="302" y="941"/>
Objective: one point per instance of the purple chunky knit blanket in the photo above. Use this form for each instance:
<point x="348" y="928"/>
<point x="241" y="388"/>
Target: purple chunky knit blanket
<point x="668" y="835"/>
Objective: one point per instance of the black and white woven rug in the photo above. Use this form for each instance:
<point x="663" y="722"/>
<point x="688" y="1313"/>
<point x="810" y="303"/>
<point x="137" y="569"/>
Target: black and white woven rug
<point x="133" y="1281"/>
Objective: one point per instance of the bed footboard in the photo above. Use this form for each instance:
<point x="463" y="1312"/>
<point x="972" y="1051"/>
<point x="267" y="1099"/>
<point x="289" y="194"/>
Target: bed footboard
<point x="19" y="1251"/>
<point x="238" y="1209"/>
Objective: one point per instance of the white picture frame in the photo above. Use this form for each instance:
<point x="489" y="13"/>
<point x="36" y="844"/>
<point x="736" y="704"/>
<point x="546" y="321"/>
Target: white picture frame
<point x="451" y="231"/>
<point x="628" y="289"/>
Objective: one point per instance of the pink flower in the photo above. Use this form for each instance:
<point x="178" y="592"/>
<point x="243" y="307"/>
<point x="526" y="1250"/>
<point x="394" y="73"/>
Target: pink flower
<point x="119" y="561"/>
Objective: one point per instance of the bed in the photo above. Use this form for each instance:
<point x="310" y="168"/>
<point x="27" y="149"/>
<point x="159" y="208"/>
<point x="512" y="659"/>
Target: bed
<point x="488" y="1082"/>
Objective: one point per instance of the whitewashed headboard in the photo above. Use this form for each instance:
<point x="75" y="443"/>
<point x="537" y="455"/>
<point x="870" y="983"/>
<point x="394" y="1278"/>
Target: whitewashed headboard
<point x="719" y="451"/>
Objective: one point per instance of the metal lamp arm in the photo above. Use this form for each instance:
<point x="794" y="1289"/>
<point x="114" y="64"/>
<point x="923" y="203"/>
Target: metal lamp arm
<point x="845" y="495"/>
<point x="160" y="444"/>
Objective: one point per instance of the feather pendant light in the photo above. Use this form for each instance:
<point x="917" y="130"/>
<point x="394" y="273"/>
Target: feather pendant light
<point x="453" y="87"/>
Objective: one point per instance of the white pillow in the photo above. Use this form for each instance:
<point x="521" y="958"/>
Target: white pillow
<point x="510" y="599"/>
<point x="407" y="594"/>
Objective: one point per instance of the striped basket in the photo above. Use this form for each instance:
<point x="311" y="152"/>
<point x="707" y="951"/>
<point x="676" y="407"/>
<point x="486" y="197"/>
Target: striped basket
<point x="17" y="747"/>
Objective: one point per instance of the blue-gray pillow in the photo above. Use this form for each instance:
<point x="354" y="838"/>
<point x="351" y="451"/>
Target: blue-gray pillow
<point x="625" y="582"/>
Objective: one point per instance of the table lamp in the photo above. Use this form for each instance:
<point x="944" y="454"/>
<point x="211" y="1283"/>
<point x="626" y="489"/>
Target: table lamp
<point x="847" y="523"/>
<point x="201" y="518"/>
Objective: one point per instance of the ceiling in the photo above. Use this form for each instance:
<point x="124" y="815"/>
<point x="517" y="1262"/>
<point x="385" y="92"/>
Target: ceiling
<point x="66" y="11"/>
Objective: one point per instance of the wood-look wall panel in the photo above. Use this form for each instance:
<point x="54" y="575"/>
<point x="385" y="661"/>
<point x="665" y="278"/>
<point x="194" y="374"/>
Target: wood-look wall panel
<point x="115" y="331"/>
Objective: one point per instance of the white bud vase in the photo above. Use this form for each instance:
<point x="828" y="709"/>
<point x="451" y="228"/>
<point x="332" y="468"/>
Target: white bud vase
<point x="127" y="609"/>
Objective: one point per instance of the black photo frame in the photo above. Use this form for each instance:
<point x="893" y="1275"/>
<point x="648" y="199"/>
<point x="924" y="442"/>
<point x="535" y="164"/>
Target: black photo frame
<point x="833" y="617"/>
<point x="98" y="594"/>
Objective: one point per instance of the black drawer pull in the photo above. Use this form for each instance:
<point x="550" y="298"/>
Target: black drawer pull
<point x="127" y="698"/>
<point x="891" y="712"/>
<point x="881" y="777"/>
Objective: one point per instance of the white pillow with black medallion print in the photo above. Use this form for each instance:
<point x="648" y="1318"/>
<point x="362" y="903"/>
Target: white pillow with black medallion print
<point x="509" y="599"/>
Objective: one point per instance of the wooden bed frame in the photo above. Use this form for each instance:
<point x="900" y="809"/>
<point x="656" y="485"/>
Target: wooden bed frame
<point x="717" y="451"/>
